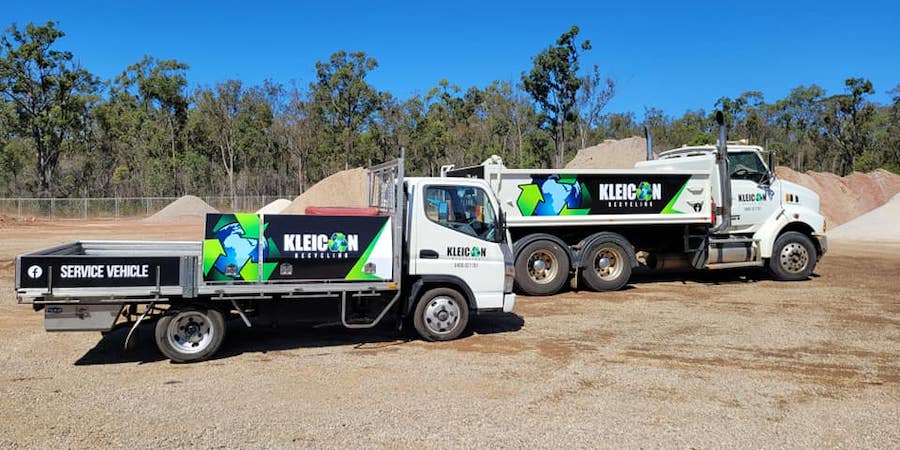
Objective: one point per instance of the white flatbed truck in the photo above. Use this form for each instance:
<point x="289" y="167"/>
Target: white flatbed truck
<point x="705" y="207"/>
<point x="432" y="250"/>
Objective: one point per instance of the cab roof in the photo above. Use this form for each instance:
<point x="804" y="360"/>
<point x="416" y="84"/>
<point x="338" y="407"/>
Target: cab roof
<point x="700" y="150"/>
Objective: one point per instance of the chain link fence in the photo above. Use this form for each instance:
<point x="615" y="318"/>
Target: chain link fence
<point x="116" y="207"/>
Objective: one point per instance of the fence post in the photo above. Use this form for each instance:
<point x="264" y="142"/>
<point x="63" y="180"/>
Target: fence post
<point x="85" y="207"/>
<point x="19" y="204"/>
<point x="52" y="204"/>
<point x="117" y="209"/>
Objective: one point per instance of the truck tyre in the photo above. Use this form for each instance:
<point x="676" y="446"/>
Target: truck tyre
<point x="442" y="314"/>
<point x="542" y="268"/>
<point x="190" y="334"/>
<point x="607" y="266"/>
<point x="793" y="257"/>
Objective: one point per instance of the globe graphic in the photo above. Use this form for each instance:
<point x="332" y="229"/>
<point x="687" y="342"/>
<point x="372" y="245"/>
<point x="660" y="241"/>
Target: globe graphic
<point x="238" y="249"/>
<point x="645" y="192"/>
<point x="337" y="242"/>
<point x="556" y="195"/>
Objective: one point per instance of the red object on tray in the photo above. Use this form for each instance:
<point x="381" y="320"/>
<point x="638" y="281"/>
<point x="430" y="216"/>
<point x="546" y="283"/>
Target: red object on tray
<point x="340" y="211"/>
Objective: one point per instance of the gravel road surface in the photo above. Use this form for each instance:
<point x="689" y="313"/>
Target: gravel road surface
<point x="697" y="360"/>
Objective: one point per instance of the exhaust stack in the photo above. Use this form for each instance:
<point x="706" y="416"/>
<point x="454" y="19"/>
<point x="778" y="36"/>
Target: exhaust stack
<point x="649" y="143"/>
<point x="724" y="178"/>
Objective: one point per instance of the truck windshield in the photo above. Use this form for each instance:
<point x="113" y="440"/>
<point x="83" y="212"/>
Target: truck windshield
<point x="747" y="166"/>
<point x="462" y="208"/>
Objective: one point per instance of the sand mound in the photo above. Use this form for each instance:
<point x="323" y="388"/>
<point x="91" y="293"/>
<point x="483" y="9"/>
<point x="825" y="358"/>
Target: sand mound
<point x="845" y="198"/>
<point x="274" y="207"/>
<point x="186" y="209"/>
<point x="345" y="188"/>
<point x="878" y="225"/>
<point x="611" y="154"/>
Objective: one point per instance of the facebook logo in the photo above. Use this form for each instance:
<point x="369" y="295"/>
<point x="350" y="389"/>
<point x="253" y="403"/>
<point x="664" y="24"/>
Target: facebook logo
<point x="35" y="272"/>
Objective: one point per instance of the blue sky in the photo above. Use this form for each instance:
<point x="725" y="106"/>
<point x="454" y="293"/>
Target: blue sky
<point x="672" y="55"/>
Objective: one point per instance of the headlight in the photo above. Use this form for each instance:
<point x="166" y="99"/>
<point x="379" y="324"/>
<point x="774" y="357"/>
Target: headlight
<point x="510" y="275"/>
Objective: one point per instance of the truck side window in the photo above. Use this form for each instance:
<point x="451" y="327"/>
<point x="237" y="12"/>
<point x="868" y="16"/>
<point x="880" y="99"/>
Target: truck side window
<point x="747" y="166"/>
<point x="464" y="209"/>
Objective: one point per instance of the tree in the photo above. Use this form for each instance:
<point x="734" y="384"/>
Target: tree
<point x="848" y="123"/>
<point x="892" y="156"/>
<point x="217" y="116"/>
<point x="797" y="118"/>
<point x="553" y="83"/>
<point x="50" y="93"/>
<point x="596" y="92"/>
<point x="159" y="86"/>
<point x="343" y="97"/>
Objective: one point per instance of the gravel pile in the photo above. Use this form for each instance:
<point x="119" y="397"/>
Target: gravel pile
<point x="186" y="209"/>
<point x="611" y="154"/>
<point x="344" y="188"/>
<point x="274" y="207"/>
<point x="845" y="198"/>
<point x="878" y="225"/>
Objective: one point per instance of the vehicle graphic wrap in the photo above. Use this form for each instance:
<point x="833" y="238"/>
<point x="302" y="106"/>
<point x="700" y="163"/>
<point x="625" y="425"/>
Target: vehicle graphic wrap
<point x="250" y="247"/>
<point x="569" y="194"/>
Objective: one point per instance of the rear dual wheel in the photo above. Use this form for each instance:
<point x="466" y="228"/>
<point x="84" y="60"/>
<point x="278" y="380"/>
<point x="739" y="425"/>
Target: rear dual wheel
<point x="542" y="268"/>
<point x="607" y="267"/>
<point x="190" y="334"/>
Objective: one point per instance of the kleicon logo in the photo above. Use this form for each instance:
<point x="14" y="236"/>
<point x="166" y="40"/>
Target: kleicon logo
<point x="35" y="272"/>
<point x="642" y="191"/>
<point x="471" y="252"/>
<point x="334" y="243"/>
<point x="758" y="197"/>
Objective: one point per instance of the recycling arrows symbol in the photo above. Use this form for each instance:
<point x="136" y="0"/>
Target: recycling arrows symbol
<point x="531" y="196"/>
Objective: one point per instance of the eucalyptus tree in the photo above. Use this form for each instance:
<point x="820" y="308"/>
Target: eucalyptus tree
<point x="49" y="91"/>
<point x="553" y="83"/>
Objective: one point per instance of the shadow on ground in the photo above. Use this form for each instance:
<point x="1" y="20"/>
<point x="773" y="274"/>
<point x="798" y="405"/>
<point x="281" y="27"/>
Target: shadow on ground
<point x="240" y="339"/>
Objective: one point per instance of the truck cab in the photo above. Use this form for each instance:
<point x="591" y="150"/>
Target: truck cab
<point x="457" y="236"/>
<point x="759" y="200"/>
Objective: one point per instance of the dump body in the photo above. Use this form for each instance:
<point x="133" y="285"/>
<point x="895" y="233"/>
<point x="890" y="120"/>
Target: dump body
<point x="566" y="197"/>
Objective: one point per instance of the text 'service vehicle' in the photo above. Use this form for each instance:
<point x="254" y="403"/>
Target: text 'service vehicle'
<point x="432" y="250"/>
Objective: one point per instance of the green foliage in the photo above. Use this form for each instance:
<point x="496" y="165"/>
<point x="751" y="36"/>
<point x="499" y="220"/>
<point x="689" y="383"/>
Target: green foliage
<point x="49" y="92"/>
<point x="147" y="135"/>
<point x="554" y="83"/>
<point x="344" y="99"/>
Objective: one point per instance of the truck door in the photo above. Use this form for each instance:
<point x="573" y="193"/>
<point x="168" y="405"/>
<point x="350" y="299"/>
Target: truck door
<point x="456" y="232"/>
<point x="753" y="199"/>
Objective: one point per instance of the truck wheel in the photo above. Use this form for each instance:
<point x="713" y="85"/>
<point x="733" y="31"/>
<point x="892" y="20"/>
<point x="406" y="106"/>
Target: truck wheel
<point x="188" y="335"/>
<point x="793" y="257"/>
<point x="442" y="314"/>
<point x="607" y="267"/>
<point x="542" y="268"/>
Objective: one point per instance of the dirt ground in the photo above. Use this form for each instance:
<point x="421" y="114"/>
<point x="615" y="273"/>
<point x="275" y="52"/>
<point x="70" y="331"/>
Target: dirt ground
<point x="697" y="360"/>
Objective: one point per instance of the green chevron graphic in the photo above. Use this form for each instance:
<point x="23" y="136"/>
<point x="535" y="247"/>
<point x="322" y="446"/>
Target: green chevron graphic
<point x="670" y="207"/>
<point x="566" y="211"/>
<point x="529" y="198"/>
<point x="357" y="272"/>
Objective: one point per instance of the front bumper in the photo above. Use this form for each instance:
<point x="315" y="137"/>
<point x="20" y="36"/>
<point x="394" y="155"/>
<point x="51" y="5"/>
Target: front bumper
<point x="822" y="243"/>
<point x="509" y="302"/>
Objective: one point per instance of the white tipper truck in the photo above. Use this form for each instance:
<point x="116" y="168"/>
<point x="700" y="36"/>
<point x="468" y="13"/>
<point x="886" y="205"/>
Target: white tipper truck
<point x="431" y="250"/>
<point x="706" y="207"/>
